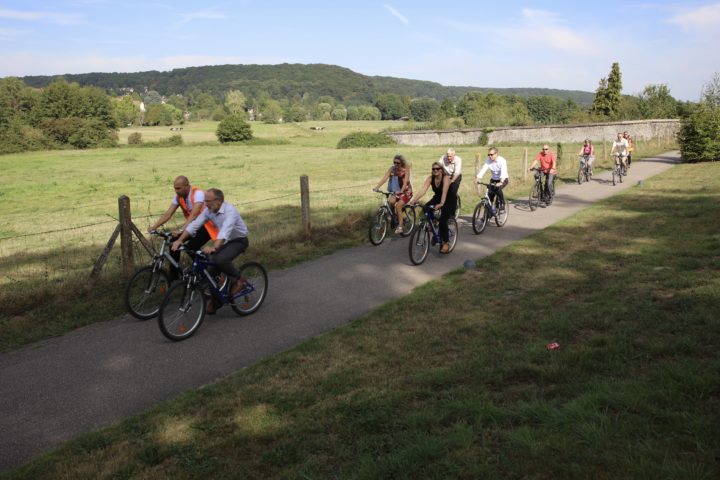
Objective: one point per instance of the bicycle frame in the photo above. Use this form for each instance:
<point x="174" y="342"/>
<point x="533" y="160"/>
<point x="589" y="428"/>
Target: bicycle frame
<point x="158" y="259"/>
<point x="429" y="222"/>
<point x="199" y="269"/>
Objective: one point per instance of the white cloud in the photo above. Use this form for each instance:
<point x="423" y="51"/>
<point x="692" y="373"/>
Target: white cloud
<point x="397" y="14"/>
<point x="200" y="15"/>
<point x="65" y="19"/>
<point x="704" y="19"/>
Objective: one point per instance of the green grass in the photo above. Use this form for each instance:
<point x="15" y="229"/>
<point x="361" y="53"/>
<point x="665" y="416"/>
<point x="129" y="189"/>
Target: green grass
<point x="45" y="193"/>
<point x="426" y="388"/>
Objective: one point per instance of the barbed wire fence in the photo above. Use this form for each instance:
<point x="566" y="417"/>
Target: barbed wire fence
<point x="88" y="249"/>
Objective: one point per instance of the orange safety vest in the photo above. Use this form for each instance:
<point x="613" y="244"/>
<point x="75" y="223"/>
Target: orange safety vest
<point x="209" y="226"/>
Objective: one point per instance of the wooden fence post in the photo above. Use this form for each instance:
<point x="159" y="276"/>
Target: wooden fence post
<point x="305" y="202"/>
<point x="525" y="172"/>
<point x="128" y="262"/>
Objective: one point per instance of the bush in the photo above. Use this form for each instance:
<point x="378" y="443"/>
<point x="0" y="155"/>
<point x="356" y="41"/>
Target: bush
<point x="135" y="138"/>
<point x="18" y="137"/>
<point x="80" y="132"/>
<point x="699" y="135"/>
<point x="233" y="128"/>
<point x="365" y="140"/>
<point x="172" y="141"/>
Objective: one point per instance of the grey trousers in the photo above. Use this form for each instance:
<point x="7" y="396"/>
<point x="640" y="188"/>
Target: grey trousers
<point x="223" y="258"/>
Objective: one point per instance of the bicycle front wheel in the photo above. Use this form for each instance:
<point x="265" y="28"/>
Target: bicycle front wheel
<point x="378" y="227"/>
<point x="581" y="176"/>
<point x="182" y="312"/>
<point x="409" y="219"/>
<point x="254" y="289"/>
<point x="452" y="234"/>
<point x="480" y="218"/>
<point x="145" y="291"/>
<point x="419" y="245"/>
<point x="534" y="199"/>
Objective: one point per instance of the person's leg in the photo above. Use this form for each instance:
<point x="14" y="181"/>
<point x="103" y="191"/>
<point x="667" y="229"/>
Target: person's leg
<point x="399" y="204"/>
<point x="501" y="196"/>
<point x="551" y="184"/>
<point x="223" y="258"/>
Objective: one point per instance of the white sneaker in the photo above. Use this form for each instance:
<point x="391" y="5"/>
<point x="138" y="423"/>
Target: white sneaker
<point x="399" y="230"/>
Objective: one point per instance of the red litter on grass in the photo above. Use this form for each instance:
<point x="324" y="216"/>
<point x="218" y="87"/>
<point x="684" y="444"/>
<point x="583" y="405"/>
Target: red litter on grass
<point x="552" y="346"/>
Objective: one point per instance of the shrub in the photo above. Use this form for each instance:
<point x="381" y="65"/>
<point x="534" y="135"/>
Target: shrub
<point x="699" y="135"/>
<point x="80" y="132"/>
<point x="135" y="138"/>
<point x="233" y="128"/>
<point x="172" y="141"/>
<point x="365" y="140"/>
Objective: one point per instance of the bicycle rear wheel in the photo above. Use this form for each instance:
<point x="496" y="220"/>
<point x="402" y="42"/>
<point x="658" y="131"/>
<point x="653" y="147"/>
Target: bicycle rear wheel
<point x="452" y="234"/>
<point x="457" y="209"/>
<point x="378" y="227"/>
<point x="182" y="312"/>
<point x="502" y="215"/>
<point x="419" y="245"/>
<point x="534" y="199"/>
<point x="409" y="219"/>
<point x="480" y="218"/>
<point x="145" y="291"/>
<point x="254" y="289"/>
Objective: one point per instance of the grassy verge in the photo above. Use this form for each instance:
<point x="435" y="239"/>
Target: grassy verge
<point x="54" y="266"/>
<point x="426" y="388"/>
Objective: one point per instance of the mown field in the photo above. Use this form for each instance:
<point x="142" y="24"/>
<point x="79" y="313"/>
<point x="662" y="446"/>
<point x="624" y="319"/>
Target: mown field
<point x="629" y="288"/>
<point x="61" y="206"/>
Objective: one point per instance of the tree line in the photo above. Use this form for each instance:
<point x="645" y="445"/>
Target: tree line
<point x="65" y="114"/>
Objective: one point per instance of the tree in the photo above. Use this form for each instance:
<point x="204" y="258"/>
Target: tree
<point x="339" y="113"/>
<point x="233" y="128"/>
<point x="424" y="109"/>
<point x="126" y="111"/>
<point x="392" y="106"/>
<point x="656" y="102"/>
<point x="609" y="93"/>
<point x="447" y="108"/>
<point x="235" y="101"/>
<point x="152" y="98"/>
<point x="699" y="135"/>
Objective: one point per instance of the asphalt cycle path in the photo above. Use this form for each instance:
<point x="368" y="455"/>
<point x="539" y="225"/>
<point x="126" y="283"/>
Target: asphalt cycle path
<point x="90" y="378"/>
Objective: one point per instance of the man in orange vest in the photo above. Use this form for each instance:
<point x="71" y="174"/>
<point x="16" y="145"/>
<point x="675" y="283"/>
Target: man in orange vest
<point x="191" y="201"/>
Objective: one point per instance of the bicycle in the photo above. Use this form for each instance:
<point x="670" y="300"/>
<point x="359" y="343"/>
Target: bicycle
<point x="457" y="209"/>
<point x="428" y="232"/>
<point x="584" y="172"/>
<point x="147" y="287"/>
<point x="619" y="170"/>
<point x="541" y="192"/>
<point x="386" y="216"/>
<point x="486" y="209"/>
<point x="183" y="309"/>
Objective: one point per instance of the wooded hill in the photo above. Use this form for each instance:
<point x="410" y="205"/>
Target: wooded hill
<point x="290" y="81"/>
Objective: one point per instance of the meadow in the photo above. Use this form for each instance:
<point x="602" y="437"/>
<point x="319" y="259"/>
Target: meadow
<point x="61" y="206"/>
<point x="436" y="390"/>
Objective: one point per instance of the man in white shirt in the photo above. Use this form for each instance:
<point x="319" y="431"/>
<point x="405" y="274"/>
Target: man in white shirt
<point x="499" y="175"/>
<point x="452" y="164"/>
<point x="231" y="240"/>
<point x="620" y="148"/>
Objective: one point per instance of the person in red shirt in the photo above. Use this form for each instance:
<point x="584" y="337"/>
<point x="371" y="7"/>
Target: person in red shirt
<point x="548" y="166"/>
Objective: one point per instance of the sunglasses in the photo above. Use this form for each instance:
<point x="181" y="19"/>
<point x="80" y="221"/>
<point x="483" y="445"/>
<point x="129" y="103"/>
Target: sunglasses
<point x="546" y="149"/>
<point x="396" y="163"/>
<point x="436" y="168"/>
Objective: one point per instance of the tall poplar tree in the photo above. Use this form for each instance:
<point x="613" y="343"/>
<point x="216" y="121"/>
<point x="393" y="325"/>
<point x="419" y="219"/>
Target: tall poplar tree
<point x="609" y="93"/>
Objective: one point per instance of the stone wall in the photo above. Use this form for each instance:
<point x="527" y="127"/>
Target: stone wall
<point x="597" y="132"/>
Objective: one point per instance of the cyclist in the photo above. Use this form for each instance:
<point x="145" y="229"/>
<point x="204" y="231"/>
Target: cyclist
<point x="620" y="149"/>
<point x="231" y="239"/>
<point x="452" y="164"/>
<point x="442" y="200"/>
<point x="398" y="178"/>
<point x="631" y="147"/>
<point x="587" y="151"/>
<point x="499" y="176"/>
<point x="548" y="167"/>
<point x="191" y="200"/>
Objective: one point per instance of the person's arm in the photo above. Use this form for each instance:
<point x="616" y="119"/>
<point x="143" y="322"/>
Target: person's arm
<point x="191" y="229"/>
<point x="504" y="175"/>
<point x="535" y="161"/>
<point x="446" y="187"/>
<point x="406" y="180"/>
<point x="553" y="166"/>
<point x="482" y="171"/>
<point x="458" y="168"/>
<point x="419" y="194"/>
<point x="383" y="180"/>
<point x="196" y="209"/>
<point x="164" y="217"/>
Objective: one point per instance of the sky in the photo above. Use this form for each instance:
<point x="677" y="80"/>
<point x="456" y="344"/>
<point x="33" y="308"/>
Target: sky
<point x="564" y="44"/>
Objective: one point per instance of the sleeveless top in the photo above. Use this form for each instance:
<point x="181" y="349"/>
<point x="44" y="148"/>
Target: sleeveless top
<point x="587" y="150"/>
